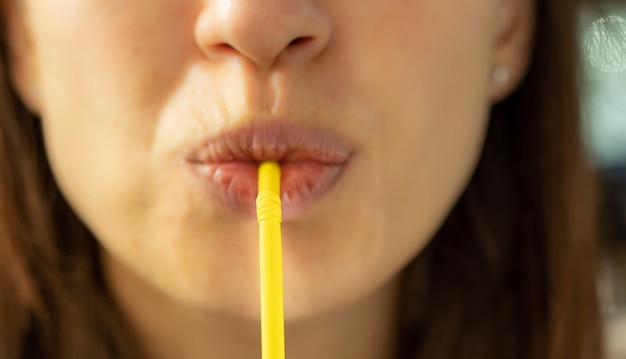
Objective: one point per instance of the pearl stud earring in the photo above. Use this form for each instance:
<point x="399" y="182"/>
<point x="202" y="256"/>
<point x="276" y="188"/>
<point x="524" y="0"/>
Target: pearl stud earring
<point x="500" y="75"/>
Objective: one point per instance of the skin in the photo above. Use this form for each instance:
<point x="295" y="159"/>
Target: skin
<point x="124" y="87"/>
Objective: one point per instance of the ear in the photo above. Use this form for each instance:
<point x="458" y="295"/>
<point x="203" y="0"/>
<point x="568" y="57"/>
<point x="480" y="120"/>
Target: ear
<point x="513" y="45"/>
<point x="21" y="56"/>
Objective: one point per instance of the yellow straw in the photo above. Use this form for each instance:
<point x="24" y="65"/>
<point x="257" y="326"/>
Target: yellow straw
<point x="271" y="266"/>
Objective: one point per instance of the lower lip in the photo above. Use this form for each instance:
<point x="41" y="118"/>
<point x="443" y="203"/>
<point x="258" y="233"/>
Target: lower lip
<point x="234" y="184"/>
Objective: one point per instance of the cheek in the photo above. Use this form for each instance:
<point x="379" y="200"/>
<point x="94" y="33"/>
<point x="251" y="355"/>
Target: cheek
<point x="105" y="67"/>
<point x="100" y="59"/>
<point x="428" y="101"/>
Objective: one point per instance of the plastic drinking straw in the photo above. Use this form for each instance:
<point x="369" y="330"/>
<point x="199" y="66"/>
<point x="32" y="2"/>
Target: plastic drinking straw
<point x="269" y="217"/>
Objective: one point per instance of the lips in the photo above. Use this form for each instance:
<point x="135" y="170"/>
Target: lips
<point x="312" y="159"/>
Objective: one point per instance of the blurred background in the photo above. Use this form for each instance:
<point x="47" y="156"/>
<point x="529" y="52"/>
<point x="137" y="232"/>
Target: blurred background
<point x="603" y="49"/>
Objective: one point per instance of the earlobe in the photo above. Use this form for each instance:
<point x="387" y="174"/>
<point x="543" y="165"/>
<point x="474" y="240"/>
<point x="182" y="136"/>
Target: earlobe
<point x="19" y="55"/>
<point x="512" y="46"/>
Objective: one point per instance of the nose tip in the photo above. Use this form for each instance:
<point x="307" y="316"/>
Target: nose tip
<point x="262" y="31"/>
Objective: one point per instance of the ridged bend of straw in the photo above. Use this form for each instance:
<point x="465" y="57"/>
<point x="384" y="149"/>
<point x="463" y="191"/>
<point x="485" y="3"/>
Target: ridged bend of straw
<point x="268" y="208"/>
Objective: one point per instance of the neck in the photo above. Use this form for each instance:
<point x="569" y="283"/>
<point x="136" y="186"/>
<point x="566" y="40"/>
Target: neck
<point x="169" y="330"/>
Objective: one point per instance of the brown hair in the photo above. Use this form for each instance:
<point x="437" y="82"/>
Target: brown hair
<point x="510" y="274"/>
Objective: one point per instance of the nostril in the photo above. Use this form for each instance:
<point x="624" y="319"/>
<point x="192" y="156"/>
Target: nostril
<point x="300" y="41"/>
<point x="224" y="47"/>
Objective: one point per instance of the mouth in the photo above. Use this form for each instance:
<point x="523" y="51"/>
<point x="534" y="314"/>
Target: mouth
<point x="312" y="160"/>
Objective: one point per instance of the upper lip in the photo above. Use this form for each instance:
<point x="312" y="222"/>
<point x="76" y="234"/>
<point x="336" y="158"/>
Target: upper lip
<point x="280" y="141"/>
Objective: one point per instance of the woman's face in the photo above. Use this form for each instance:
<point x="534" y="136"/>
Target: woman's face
<point x="156" y="112"/>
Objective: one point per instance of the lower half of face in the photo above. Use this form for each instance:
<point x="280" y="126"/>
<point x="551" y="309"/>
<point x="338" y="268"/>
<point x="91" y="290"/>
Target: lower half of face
<point x="404" y="84"/>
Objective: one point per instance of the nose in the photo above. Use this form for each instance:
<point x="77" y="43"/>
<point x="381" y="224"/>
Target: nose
<point x="262" y="31"/>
